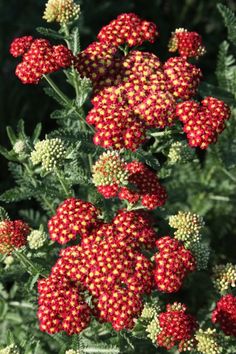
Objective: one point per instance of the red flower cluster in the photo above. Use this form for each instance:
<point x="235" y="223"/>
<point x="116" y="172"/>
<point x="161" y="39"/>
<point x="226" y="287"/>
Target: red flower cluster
<point x="61" y="307"/>
<point x="13" y="234"/>
<point x="147" y="188"/>
<point x="204" y="122"/>
<point x="73" y="217"/>
<point x="108" y="264"/>
<point x="176" y="326"/>
<point x="135" y="98"/>
<point x="225" y="314"/>
<point x="128" y="28"/>
<point x="183" y="77"/>
<point x="20" y="45"/>
<point x="111" y="175"/>
<point x="39" y="58"/>
<point x="188" y="44"/>
<point x="173" y="263"/>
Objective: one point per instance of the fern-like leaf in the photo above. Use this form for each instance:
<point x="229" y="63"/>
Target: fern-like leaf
<point x="229" y="20"/>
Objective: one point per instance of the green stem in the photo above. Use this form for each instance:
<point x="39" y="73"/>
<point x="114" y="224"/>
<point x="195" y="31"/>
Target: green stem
<point x="220" y="198"/>
<point x="138" y="207"/>
<point x="165" y="132"/>
<point x="50" y="207"/>
<point x="26" y="262"/>
<point x="23" y="305"/>
<point x="57" y="90"/>
<point x="62" y="182"/>
<point x="227" y="173"/>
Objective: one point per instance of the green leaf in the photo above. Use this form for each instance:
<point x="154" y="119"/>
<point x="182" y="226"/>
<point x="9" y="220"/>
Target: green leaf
<point x="16" y="194"/>
<point x="144" y="157"/>
<point x="11" y="135"/>
<point x="51" y="93"/>
<point x="9" y="155"/>
<point x="225" y="70"/>
<point x="3" y="214"/>
<point x="75" y="41"/>
<point x="37" y="132"/>
<point x="48" y="32"/>
<point x="229" y="20"/>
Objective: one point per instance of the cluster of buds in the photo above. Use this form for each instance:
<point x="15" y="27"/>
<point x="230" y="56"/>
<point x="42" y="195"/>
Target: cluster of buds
<point x="188" y="226"/>
<point x="50" y="153"/>
<point x="188" y="230"/>
<point x="132" y="181"/>
<point x="150" y="311"/>
<point x="224" y="276"/>
<point x="36" y="239"/>
<point x="173" y="263"/>
<point x="153" y="329"/>
<point x="176" y="326"/>
<point x="13" y="235"/>
<point x="203" y="122"/>
<point x="10" y="349"/>
<point x="225" y="314"/>
<point x="209" y="342"/>
<point x="108" y="263"/>
<point x="61" y="11"/>
<point x="39" y="58"/>
<point x="188" y="44"/>
<point x="129" y="29"/>
<point x="179" y="152"/>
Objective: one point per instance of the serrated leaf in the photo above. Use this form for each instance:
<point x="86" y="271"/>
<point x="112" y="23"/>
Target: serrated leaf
<point x="9" y="155"/>
<point x="16" y="194"/>
<point x="230" y="21"/>
<point x="51" y="93"/>
<point x="11" y="135"/>
<point x="75" y="41"/>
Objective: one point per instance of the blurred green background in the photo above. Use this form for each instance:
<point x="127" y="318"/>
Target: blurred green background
<point x="19" y="18"/>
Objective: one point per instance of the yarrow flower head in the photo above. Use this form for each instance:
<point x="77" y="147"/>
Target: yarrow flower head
<point x="39" y="58"/>
<point x="176" y="326"/>
<point x="112" y="174"/>
<point x="50" y="153"/>
<point x="188" y="226"/>
<point x="20" y="147"/>
<point x="10" y="349"/>
<point x="173" y="263"/>
<point x="188" y="44"/>
<point x="13" y="234"/>
<point x="203" y="122"/>
<point x="73" y="217"/>
<point x="128" y="28"/>
<point x="109" y="171"/>
<point x="209" y="342"/>
<point x="180" y="152"/>
<point x="36" y="239"/>
<point x="61" y="11"/>
<point x="153" y="329"/>
<point x="224" y="276"/>
<point x="225" y="314"/>
<point x="149" y="311"/>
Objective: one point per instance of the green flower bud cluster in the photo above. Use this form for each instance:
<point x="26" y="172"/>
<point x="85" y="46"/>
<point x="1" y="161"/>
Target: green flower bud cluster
<point x="209" y="342"/>
<point x="110" y="169"/>
<point x="19" y="147"/>
<point x="61" y="11"/>
<point x="188" y="226"/>
<point x="150" y="311"/>
<point x="36" y="239"/>
<point x="201" y="252"/>
<point x="180" y="152"/>
<point x="153" y="329"/>
<point x="188" y="345"/>
<point x="188" y="231"/>
<point x="50" y="153"/>
<point x="11" y="349"/>
<point x="224" y="276"/>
